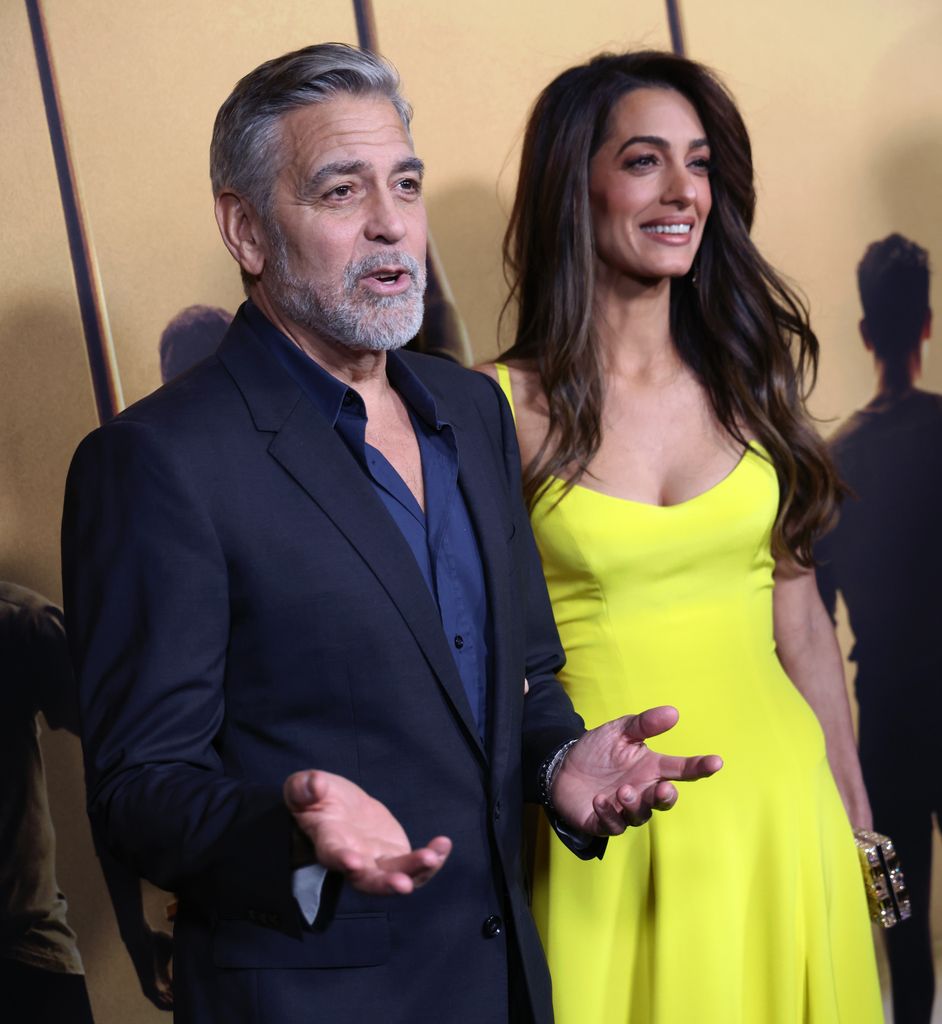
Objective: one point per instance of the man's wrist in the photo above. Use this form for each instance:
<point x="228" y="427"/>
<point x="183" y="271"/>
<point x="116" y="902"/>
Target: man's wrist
<point x="549" y="769"/>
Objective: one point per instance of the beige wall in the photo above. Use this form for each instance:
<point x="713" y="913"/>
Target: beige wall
<point x="844" y="103"/>
<point x="843" y="100"/>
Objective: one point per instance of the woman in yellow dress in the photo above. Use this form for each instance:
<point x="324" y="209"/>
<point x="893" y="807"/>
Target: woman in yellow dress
<point x="676" y="488"/>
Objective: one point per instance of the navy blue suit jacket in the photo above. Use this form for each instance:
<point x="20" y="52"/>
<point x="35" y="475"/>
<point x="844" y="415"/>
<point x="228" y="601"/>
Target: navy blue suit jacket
<point x="240" y="607"/>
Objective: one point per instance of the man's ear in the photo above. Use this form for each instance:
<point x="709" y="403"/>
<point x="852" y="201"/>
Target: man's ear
<point x="242" y="231"/>
<point x="862" y="327"/>
<point x="927" y="326"/>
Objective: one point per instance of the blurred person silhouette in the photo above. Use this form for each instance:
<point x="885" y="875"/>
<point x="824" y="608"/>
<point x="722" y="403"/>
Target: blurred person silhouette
<point x="192" y="335"/>
<point x="885" y="559"/>
<point x="41" y="972"/>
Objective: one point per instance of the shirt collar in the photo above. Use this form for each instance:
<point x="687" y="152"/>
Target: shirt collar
<point x="327" y="392"/>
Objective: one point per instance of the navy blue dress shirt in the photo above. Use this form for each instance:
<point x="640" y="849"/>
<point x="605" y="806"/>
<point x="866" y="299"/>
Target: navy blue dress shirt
<point x="441" y="538"/>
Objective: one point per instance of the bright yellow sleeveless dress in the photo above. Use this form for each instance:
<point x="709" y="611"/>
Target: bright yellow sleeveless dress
<point x="743" y="904"/>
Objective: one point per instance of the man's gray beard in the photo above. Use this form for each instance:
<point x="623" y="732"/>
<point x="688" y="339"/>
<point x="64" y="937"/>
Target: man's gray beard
<point x="361" y="320"/>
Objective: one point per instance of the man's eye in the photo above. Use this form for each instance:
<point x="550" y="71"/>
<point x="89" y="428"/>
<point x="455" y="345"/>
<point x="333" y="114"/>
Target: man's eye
<point x="340" y="191"/>
<point x="410" y="185"/>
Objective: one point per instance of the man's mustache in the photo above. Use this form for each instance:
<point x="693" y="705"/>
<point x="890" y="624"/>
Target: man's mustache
<point x="379" y="261"/>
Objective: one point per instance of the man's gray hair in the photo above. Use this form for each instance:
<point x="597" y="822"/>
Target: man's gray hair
<point x="244" y="155"/>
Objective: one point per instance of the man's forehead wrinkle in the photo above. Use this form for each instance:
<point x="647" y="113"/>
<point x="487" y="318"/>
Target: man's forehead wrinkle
<point x="341" y="132"/>
<point x="339" y="124"/>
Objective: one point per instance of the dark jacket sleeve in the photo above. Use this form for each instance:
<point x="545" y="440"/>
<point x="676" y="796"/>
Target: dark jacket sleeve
<point x="147" y="608"/>
<point x="549" y="718"/>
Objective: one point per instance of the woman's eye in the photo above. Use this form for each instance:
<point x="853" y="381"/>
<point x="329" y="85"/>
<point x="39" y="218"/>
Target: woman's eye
<point x="702" y="163"/>
<point x="648" y="160"/>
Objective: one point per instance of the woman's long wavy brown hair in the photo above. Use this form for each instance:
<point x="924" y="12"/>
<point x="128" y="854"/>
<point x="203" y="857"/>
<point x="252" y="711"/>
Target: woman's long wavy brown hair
<point x="738" y="326"/>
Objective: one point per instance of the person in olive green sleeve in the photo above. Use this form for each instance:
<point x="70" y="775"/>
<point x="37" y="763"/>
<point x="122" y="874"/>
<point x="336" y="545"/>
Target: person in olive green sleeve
<point x="42" y="977"/>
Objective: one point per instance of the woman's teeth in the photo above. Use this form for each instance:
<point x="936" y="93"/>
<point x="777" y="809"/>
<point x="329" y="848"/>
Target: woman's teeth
<point x="668" y="229"/>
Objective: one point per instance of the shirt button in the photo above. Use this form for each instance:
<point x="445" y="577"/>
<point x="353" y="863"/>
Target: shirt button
<point x="492" y="927"/>
<point x="459" y="641"/>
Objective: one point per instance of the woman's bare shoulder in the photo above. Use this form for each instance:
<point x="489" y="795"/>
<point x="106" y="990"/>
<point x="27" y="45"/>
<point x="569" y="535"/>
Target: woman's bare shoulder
<point x="529" y="403"/>
<point x="524" y="380"/>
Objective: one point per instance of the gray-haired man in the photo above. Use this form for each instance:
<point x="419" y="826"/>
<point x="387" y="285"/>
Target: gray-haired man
<point x="304" y="600"/>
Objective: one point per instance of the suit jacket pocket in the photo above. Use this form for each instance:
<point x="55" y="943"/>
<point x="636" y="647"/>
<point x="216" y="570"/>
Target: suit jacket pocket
<point x="351" y="940"/>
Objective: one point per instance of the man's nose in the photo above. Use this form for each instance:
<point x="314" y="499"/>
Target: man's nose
<point x="385" y="222"/>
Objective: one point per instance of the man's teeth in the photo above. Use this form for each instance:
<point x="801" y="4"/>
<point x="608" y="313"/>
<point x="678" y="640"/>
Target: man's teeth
<point x="668" y="229"/>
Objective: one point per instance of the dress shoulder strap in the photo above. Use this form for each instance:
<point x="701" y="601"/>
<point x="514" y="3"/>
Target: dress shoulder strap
<point x="503" y="379"/>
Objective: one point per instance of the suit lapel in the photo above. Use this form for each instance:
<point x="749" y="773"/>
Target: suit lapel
<point x="316" y="458"/>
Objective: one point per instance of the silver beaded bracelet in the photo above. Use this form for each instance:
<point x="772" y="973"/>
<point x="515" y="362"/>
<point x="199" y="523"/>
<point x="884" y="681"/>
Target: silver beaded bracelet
<point x="549" y="770"/>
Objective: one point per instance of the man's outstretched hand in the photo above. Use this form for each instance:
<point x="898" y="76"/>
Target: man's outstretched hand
<point x="611" y="780"/>
<point x="354" y="834"/>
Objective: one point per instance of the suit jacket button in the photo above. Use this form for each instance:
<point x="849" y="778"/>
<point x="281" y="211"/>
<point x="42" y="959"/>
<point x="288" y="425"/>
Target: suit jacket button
<point x="493" y="926"/>
<point x="497" y="810"/>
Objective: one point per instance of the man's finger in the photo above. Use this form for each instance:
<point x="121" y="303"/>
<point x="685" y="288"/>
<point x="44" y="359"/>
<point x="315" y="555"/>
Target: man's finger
<point x="303" y="789"/>
<point x="688" y="769"/>
<point x="441" y="845"/>
<point x="610" y="818"/>
<point x="664" y="796"/>
<point x="376" y="882"/>
<point x="638" y="817"/>
<point x="418" y="865"/>
<point x="652" y="722"/>
<point x="338" y="855"/>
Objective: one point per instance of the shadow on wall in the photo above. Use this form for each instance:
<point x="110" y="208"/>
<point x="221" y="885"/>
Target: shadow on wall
<point x="885" y="558"/>
<point x="46" y="406"/>
<point x="468" y="225"/>
<point x="190" y="337"/>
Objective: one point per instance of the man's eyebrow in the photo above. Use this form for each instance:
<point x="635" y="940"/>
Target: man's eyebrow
<point x="336" y="169"/>
<point x="340" y="168"/>
<point x="412" y="163"/>
<point x="660" y="143"/>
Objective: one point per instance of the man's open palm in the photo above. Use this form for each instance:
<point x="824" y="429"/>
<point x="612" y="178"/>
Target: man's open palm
<point x="354" y="834"/>
<point x="611" y="779"/>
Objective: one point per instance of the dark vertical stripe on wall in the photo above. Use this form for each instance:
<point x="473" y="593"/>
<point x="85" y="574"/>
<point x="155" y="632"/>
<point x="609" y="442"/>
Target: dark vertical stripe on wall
<point x="101" y="360"/>
<point x="677" y="30"/>
<point x="443" y="330"/>
<point x="366" y="25"/>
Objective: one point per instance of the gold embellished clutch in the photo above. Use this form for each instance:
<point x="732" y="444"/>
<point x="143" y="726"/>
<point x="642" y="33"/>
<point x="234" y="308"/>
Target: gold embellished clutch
<point x="883" y="878"/>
